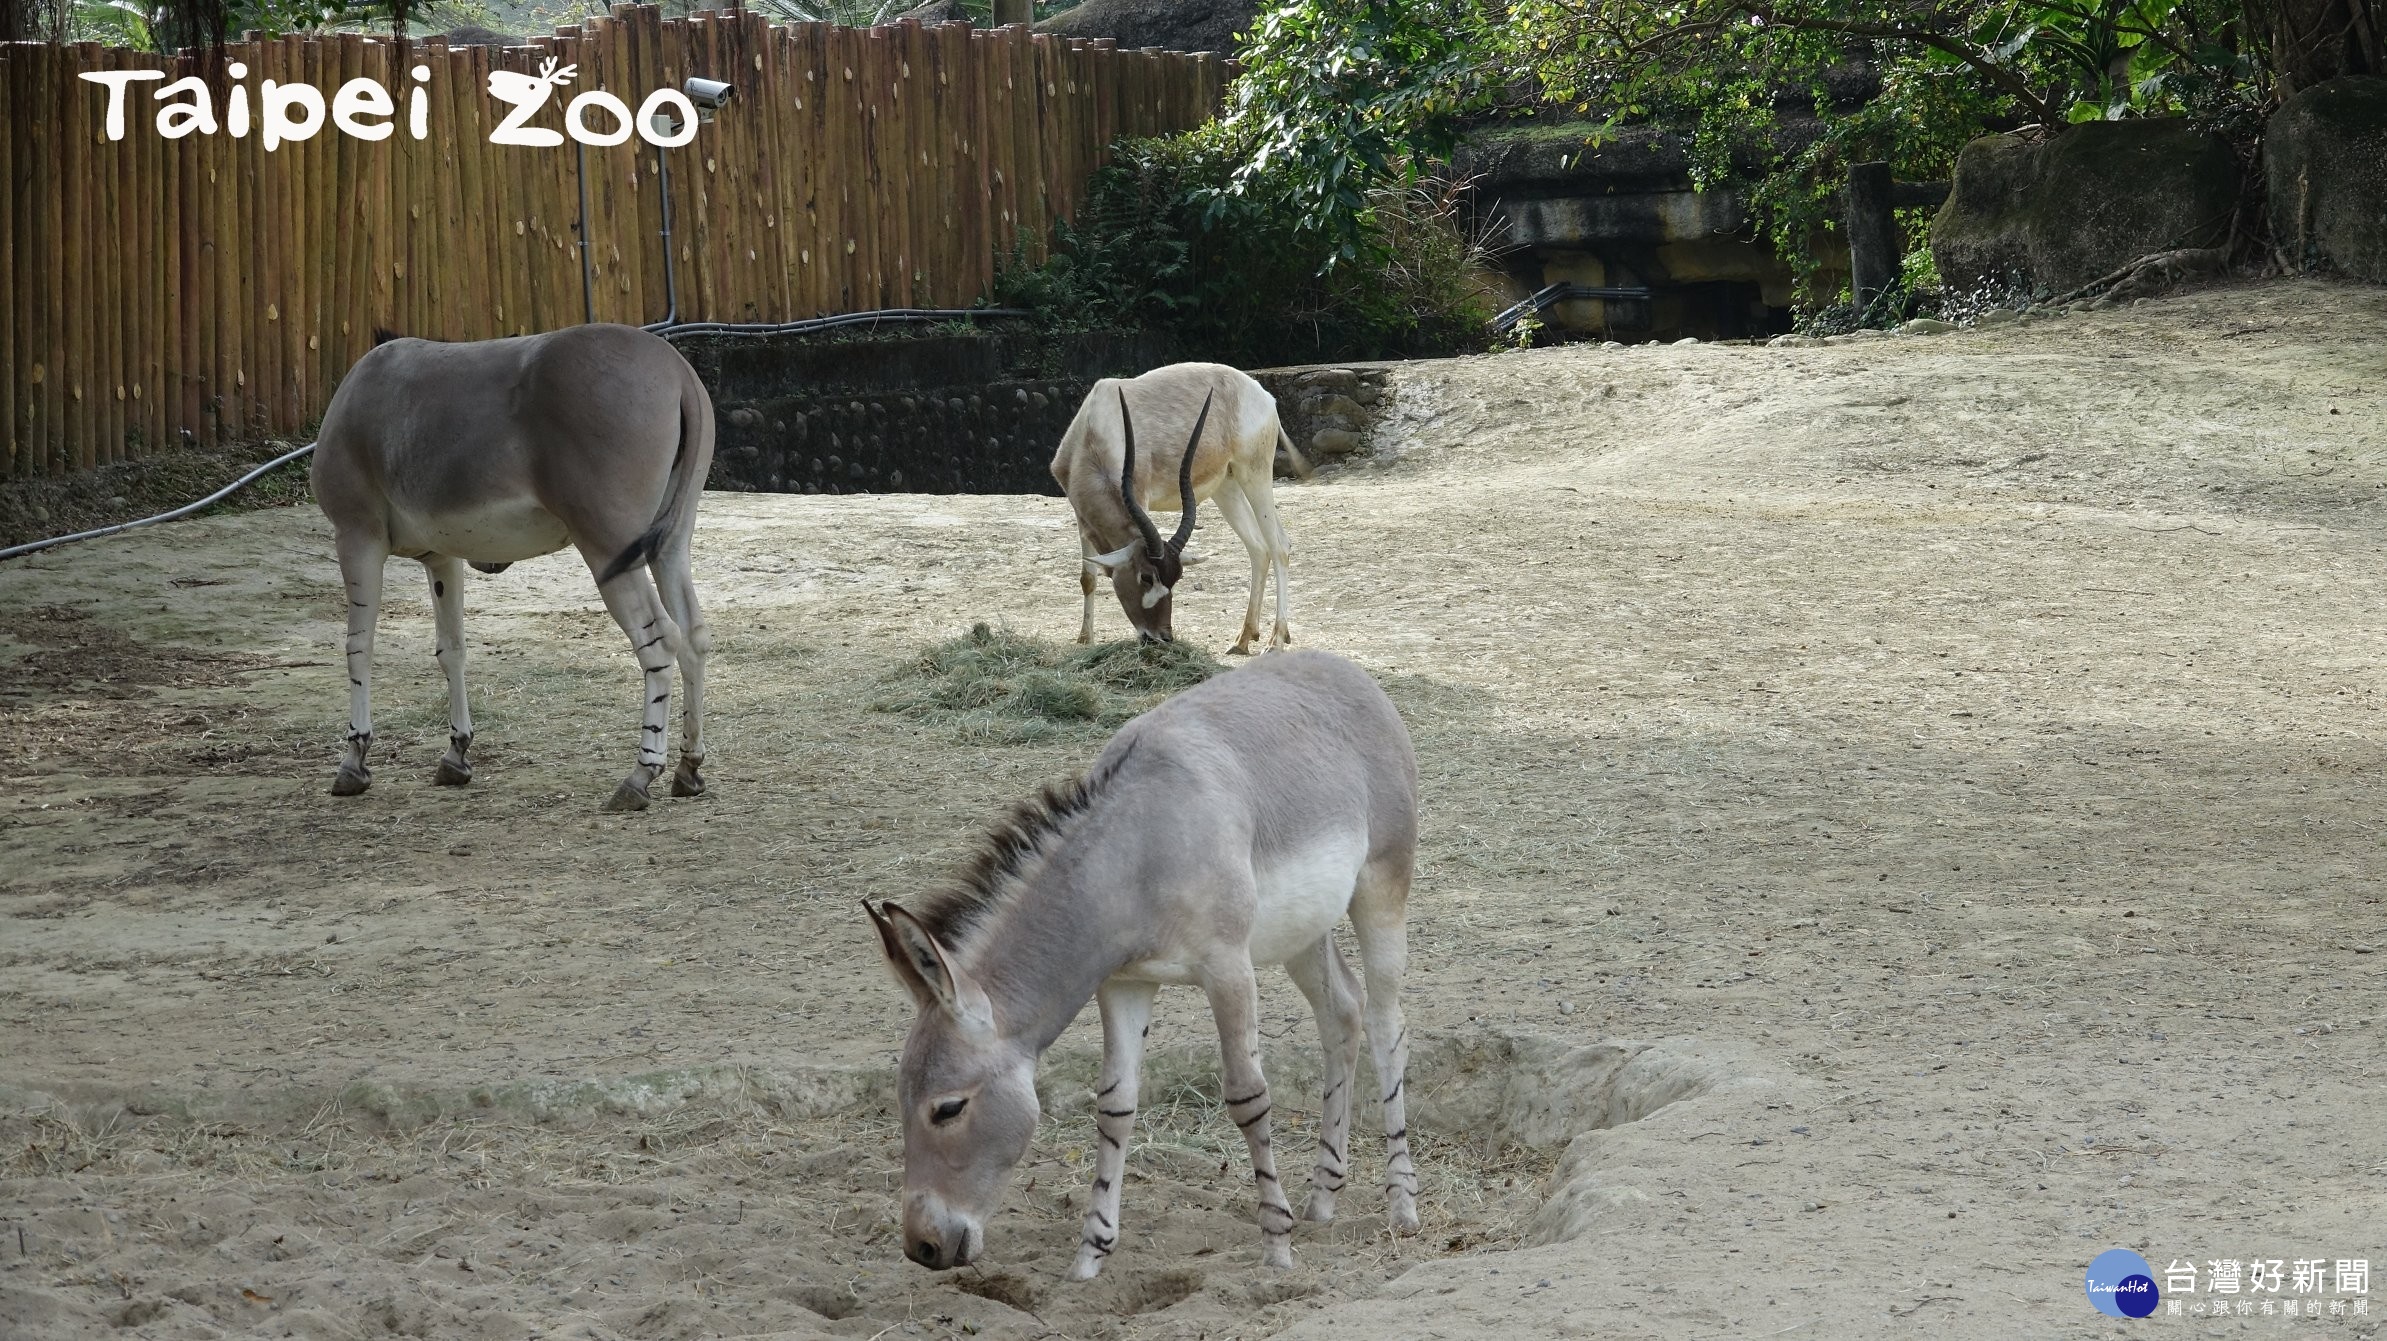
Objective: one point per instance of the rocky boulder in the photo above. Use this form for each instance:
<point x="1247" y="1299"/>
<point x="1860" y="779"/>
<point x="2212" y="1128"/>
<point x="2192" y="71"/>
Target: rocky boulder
<point x="2325" y="162"/>
<point x="2048" y="215"/>
<point x="1326" y="412"/>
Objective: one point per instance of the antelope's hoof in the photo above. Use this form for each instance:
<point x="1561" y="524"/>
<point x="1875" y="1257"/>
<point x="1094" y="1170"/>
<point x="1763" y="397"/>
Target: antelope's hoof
<point x="452" y="772"/>
<point x="631" y="795"/>
<point x="1085" y="635"/>
<point x="687" y="782"/>
<point x="352" y="781"/>
<point x="1241" y="649"/>
<point x="1320" y="1211"/>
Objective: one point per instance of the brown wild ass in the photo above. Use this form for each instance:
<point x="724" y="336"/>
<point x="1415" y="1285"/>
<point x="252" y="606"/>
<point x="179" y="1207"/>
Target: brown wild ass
<point x="496" y="451"/>
<point x="1229" y="828"/>
<point x="1234" y="465"/>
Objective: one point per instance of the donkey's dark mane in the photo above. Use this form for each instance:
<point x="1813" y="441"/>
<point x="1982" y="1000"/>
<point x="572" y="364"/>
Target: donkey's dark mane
<point x="985" y="883"/>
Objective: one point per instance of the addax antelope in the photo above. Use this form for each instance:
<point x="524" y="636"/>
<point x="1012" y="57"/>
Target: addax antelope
<point x="1233" y="465"/>
<point x="496" y="451"/>
<point x="1231" y="827"/>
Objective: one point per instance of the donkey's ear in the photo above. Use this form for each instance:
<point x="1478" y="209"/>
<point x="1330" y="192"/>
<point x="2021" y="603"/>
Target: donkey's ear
<point x="899" y="962"/>
<point x="935" y="979"/>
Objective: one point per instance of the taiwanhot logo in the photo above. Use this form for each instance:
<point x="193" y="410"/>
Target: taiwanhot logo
<point x="2122" y="1285"/>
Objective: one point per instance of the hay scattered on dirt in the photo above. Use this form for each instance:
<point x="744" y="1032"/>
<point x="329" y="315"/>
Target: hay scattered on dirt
<point x="993" y="686"/>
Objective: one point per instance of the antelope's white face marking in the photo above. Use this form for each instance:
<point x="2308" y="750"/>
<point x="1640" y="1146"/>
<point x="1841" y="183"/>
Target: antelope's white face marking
<point x="1154" y="592"/>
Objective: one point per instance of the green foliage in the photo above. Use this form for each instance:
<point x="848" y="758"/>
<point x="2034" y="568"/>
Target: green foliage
<point x="1338" y="97"/>
<point x="171" y="25"/>
<point x="2049" y="61"/>
<point x="852" y="13"/>
<point x="1162" y="241"/>
<point x="998" y="687"/>
<point x="1946" y="74"/>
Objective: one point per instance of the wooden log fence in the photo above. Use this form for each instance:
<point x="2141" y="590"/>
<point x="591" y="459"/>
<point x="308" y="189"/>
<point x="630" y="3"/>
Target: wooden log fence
<point x="203" y="289"/>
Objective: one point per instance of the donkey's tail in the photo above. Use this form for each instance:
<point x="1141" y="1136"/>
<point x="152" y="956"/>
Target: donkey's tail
<point x="680" y="496"/>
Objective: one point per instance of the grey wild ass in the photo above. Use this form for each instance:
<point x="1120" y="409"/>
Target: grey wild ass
<point x="1234" y="465"/>
<point x="1229" y="828"/>
<point x="496" y="451"/>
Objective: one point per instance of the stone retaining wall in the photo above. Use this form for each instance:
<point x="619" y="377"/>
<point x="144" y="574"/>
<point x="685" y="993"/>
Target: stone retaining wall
<point x="977" y="412"/>
<point x="943" y="413"/>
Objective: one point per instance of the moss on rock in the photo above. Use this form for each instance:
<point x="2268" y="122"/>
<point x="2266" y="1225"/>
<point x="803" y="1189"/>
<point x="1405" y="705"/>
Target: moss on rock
<point x="2325" y="161"/>
<point x="2049" y="215"/>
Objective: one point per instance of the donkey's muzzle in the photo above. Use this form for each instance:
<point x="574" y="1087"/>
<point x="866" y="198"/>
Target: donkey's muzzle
<point x="937" y="1256"/>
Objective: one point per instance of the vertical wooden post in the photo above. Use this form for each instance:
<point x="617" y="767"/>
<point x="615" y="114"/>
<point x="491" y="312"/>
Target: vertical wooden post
<point x="905" y="205"/>
<point x="46" y="248"/>
<point x="13" y="279"/>
<point x="824" y="232"/>
<point x="264" y="240"/>
<point x="798" y="166"/>
<point x="312" y="248"/>
<point x="1873" y="250"/>
<point x="477" y="161"/>
<point x="187" y="288"/>
<point x="147" y="199"/>
<point x="770" y="110"/>
<point x="880" y="231"/>
<point x="617" y="192"/>
<point x="111" y="274"/>
<point x="1028" y="217"/>
<point x="291" y="256"/>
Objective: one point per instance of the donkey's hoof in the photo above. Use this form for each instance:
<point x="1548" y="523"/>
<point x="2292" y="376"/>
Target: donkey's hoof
<point x="452" y="772"/>
<point x="352" y="781"/>
<point x="1320" y="1211"/>
<point x="1404" y="1217"/>
<point x="629" y="796"/>
<point x="1086" y="1267"/>
<point x="1278" y="1254"/>
<point x="687" y="782"/>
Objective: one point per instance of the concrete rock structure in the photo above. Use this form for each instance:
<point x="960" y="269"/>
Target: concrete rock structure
<point x="2045" y="214"/>
<point x="2325" y="160"/>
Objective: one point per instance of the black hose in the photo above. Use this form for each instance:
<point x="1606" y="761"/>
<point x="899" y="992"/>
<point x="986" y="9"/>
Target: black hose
<point x="673" y="330"/>
<point x="668" y="330"/>
<point x="185" y="510"/>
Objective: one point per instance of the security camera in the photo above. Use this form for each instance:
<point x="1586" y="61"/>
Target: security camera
<point x="707" y="94"/>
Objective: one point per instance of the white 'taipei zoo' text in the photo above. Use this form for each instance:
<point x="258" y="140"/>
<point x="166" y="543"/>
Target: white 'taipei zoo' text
<point x="363" y="108"/>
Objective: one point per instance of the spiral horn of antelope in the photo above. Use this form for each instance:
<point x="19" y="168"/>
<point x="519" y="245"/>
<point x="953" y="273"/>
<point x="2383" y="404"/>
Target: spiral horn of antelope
<point x="1153" y="544"/>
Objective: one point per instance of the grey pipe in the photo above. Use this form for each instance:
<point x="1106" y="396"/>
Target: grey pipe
<point x="671" y="269"/>
<point x="184" y="511"/>
<point x="673" y="332"/>
<point x="588" y="288"/>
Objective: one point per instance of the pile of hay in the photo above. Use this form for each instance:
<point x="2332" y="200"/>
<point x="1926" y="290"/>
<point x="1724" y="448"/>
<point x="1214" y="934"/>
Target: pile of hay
<point x="994" y="686"/>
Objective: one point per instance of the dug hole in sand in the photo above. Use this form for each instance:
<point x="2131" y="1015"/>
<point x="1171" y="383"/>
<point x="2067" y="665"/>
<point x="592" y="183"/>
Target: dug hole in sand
<point x="1954" y="761"/>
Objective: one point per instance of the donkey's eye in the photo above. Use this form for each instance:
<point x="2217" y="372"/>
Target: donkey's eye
<point x="948" y="1110"/>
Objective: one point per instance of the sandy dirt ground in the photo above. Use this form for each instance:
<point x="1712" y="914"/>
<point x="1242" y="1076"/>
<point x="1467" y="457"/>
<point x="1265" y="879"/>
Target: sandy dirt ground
<point x="1902" y="817"/>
